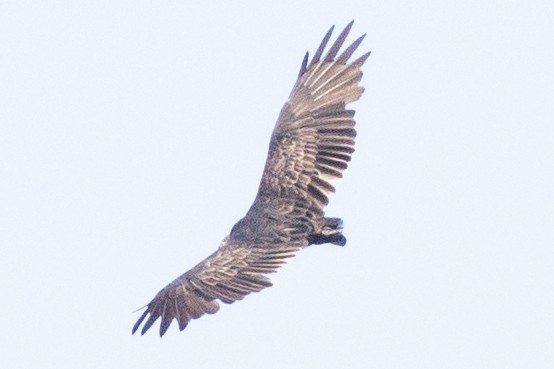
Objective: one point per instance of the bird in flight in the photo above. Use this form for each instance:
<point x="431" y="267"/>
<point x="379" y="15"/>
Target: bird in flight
<point x="310" y="146"/>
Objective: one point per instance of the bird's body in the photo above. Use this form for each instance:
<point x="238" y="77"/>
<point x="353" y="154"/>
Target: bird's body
<point x="311" y="144"/>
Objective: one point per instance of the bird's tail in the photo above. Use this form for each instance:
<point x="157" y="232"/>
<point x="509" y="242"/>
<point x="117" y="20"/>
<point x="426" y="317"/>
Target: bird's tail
<point x="329" y="233"/>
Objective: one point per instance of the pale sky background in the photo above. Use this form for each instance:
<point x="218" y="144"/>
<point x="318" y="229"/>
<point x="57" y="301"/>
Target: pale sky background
<point x="133" y="135"/>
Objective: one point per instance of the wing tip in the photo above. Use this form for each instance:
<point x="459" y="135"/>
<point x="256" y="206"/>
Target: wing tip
<point x="304" y="65"/>
<point x="322" y="45"/>
<point x="334" y="49"/>
<point x="361" y="60"/>
<point x="310" y="68"/>
<point x="343" y="58"/>
<point x="139" y="321"/>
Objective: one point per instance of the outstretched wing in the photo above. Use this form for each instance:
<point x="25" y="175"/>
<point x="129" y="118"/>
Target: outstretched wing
<point x="314" y="136"/>
<point x="229" y="274"/>
<point x="310" y="145"/>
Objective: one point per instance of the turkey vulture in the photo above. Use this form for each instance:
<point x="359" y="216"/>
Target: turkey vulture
<point x="310" y="146"/>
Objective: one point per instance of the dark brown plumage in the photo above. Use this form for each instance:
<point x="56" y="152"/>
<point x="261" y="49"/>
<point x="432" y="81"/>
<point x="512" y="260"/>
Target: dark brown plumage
<point x="310" y="146"/>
